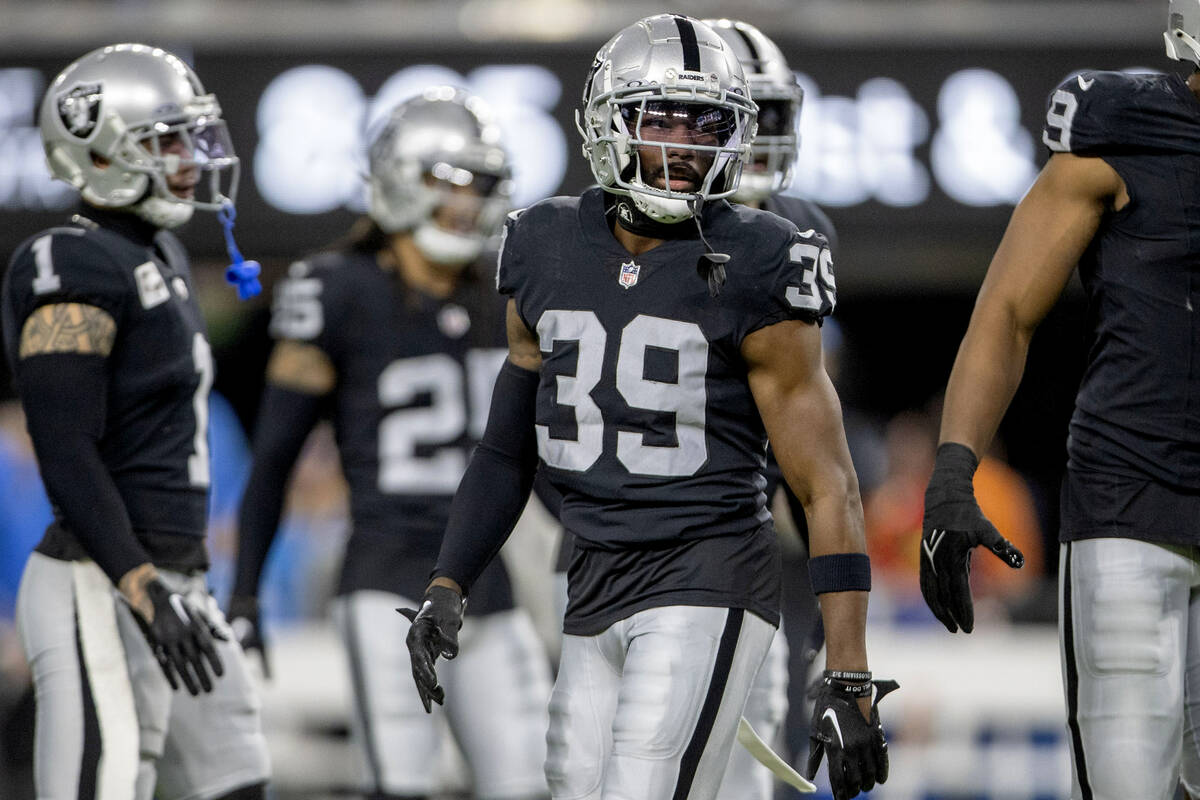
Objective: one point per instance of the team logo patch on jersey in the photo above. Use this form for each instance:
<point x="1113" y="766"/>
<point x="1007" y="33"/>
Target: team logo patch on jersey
<point x="629" y="274"/>
<point x="79" y="109"/>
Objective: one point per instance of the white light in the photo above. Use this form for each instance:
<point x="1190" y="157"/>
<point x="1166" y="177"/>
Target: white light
<point x="315" y="123"/>
<point x="309" y="157"/>
<point x="981" y="155"/>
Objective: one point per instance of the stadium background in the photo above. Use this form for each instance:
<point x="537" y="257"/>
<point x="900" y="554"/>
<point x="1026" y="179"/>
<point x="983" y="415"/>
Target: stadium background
<point x="921" y="129"/>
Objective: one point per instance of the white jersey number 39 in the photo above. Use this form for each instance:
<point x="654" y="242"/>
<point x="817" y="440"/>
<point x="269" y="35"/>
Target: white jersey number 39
<point x="686" y="398"/>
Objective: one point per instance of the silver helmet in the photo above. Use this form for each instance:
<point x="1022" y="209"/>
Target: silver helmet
<point x="438" y="160"/>
<point x="666" y="69"/>
<point x="1183" y="30"/>
<point x="125" y="122"/>
<point x="777" y="94"/>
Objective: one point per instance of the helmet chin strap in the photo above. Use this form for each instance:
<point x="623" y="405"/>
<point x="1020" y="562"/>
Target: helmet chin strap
<point x="711" y="265"/>
<point x="444" y="247"/>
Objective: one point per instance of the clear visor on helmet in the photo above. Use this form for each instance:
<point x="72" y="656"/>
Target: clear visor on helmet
<point x="193" y="161"/>
<point x="696" y="124"/>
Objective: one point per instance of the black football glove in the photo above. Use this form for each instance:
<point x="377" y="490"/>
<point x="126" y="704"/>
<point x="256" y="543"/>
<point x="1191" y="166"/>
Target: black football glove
<point x="954" y="526"/>
<point x="247" y="628"/>
<point x="181" y="638"/>
<point x="856" y="750"/>
<point x="433" y="633"/>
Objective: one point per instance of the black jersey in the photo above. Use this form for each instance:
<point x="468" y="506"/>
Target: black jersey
<point x="1138" y="408"/>
<point x="645" y="420"/>
<point x="414" y="384"/>
<point x="155" y="444"/>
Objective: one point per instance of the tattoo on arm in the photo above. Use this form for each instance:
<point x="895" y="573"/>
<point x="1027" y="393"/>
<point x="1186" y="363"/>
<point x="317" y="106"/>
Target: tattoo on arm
<point x="301" y="367"/>
<point x="68" y="328"/>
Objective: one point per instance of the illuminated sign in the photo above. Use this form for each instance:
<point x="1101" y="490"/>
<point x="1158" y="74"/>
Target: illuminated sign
<point x="314" y="124"/>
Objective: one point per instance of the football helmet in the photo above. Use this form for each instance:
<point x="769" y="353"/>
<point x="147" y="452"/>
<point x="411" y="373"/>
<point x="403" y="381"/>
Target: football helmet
<point x="666" y="69"/>
<point x="1183" y="30"/>
<point x="437" y="169"/>
<point x="124" y="122"/>
<point x="775" y="91"/>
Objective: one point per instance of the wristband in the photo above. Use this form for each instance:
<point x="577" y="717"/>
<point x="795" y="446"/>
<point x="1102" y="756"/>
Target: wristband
<point x="855" y="689"/>
<point x="840" y="572"/>
<point x="957" y="459"/>
<point x="841" y="675"/>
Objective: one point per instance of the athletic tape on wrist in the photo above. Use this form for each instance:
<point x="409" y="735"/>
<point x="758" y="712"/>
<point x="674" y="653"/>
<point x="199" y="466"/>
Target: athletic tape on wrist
<point x="840" y="572"/>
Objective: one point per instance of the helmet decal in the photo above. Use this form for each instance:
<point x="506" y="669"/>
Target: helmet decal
<point x="79" y="109"/>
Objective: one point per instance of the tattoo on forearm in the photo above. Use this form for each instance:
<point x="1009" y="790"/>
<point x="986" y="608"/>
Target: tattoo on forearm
<point x="68" y="328"/>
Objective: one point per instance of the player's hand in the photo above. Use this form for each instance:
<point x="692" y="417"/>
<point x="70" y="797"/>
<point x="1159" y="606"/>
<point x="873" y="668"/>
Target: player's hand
<point x="247" y="628"/>
<point x="954" y="526"/>
<point x="433" y="633"/>
<point x="853" y="745"/>
<point x="181" y="637"/>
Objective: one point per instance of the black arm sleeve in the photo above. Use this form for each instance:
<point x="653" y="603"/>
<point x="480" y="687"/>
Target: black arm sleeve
<point x="496" y="485"/>
<point x="64" y="397"/>
<point x="285" y="418"/>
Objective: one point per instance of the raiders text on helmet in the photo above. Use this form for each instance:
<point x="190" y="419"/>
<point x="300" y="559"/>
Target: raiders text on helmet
<point x="663" y="68"/>
<point x="774" y="89"/>
<point x="432" y="148"/>
<point x="121" y="119"/>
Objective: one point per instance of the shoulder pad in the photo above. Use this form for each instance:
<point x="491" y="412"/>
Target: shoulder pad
<point x="526" y="231"/>
<point x="777" y="272"/>
<point x="1093" y="113"/>
<point x="67" y="265"/>
<point x="806" y="280"/>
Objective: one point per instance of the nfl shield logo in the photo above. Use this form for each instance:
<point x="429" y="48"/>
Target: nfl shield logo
<point x="629" y="274"/>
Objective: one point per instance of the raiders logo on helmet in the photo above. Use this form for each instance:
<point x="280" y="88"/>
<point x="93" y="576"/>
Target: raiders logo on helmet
<point x="624" y="211"/>
<point x="79" y="109"/>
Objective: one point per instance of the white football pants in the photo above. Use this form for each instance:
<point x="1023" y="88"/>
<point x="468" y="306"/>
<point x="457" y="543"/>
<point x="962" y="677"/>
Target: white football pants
<point x="496" y="695"/>
<point x="649" y="708"/>
<point x="109" y="727"/>
<point x="1129" y="629"/>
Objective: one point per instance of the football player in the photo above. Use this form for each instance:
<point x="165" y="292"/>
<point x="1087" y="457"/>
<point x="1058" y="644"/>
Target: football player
<point x="773" y="156"/>
<point x="108" y="347"/>
<point x="657" y="334"/>
<point x="400" y="337"/>
<point x="1118" y="196"/>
